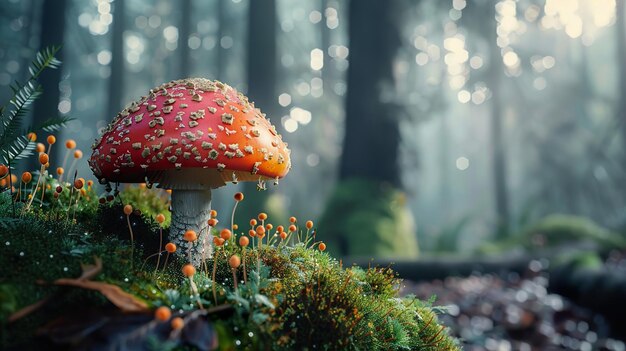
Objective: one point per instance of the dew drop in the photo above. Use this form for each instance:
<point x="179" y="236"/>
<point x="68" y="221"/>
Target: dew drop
<point x="64" y="269"/>
<point x="7" y="243"/>
<point x="250" y="334"/>
<point x="237" y="342"/>
<point x="126" y="280"/>
<point x="51" y="256"/>
<point x="22" y="253"/>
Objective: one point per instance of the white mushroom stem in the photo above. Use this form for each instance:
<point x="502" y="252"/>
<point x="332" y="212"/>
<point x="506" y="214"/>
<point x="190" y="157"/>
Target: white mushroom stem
<point x="191" y="209"/>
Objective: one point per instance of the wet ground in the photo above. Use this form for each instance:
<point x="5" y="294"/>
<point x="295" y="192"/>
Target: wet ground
<point x="490" y="312"/>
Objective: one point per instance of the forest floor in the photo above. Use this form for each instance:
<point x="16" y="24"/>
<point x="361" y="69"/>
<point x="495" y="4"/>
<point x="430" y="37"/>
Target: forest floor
<point x="491" y="312"/>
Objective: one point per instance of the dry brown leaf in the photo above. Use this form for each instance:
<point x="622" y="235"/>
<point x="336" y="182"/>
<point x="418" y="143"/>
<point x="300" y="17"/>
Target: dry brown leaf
<point x="123" y="300"/>
<point x="91" y="270"/>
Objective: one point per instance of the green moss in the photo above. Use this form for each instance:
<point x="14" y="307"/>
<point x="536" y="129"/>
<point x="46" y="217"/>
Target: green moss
<point x="297" y="298"/>
<point x="364" y="218"/>
<point x="559" y="230"/>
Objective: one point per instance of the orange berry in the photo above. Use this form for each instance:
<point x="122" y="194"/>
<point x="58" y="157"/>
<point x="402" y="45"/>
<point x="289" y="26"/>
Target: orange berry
<point x="234" y="261"/>
<point x="51" y="139"/>
<point x="4" y="170"/>
<point x="244" y="241"/>
<point x="225" y="234"/>
<point x="89" y="182"/>
<point x="238" y="197"/>
<point x="252" y="233"/>
<point x="78" y="154"/>
<point x="235" y="227"/>
<point x="70" y="144"/>
<point x="213" y="213"/>
<point x="162" y="314"/>
<point x="292" y="228"/>
<point x="280" y="229"/>
<point x="43" y="158"/>
<point x="31" y="136"/>
<point x="170" y="247"/>
<point x="262" y="216"/>
<point x="40" y="147"/>
<point x="27" y="177"/>
<point x="260" y="230"/>
<point x="160" y="218"/>
<point x="269" y="226"/>
<point x="218" y="241"/>
<point x="189" y="270"/>
<point x="253" y="222"/>
<point x="309" y="224"/>
<point x="292" y="219"/>
<point x="177" y="323"/>
<point x="190" y="236"/>
<point x="128" y="209"/>
<point x="212" y="222"/>
<point x="322" y="246"/>
<point x="78" y="184"/>
<point x="60" y="170"/>
<point x="283" y="235"/>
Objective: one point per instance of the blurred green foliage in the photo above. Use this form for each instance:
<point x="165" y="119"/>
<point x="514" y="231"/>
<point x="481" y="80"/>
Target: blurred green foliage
<point x="364" y="218"/>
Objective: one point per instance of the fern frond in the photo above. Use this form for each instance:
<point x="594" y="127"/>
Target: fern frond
<point x="44" y="59"/>
<point x="53" y="124"/>
<point x="17" y="149"/>
<point x="23" y="97"/>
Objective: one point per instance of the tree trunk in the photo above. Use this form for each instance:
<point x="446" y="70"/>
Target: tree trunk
<point x="366" y="216"/>
<point x="183" y="39"/>
<point x="620" y="26"/>
<point x="51" y="33"/>
<point x="497" y="144"/>
<point x="372" y="133"/>
<point x="261" y="67"/>
<point x="116" y="80"/>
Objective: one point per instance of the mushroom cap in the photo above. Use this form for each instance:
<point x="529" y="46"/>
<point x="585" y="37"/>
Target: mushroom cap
<point x="192" y="123"/>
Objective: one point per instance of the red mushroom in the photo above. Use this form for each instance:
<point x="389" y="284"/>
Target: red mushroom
<point x="190" y="136"/>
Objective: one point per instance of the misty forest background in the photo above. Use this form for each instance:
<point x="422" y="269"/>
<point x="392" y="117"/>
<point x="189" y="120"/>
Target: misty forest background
<point x="479" y="117"/>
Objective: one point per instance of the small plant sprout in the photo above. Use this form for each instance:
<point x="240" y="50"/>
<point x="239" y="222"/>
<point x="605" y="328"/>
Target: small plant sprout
<point x="26" y="178"/>
<point x="190" y="237"/>
<point x="177" y="323"/>
<point x="160" y="218"/>
<point x="238" y="198"/>
<point x="162" y="314"/>
<point x="128" y="209"/>
<point x="321" y="247"/>
<point x="189" y="271"/>
<point x="77" y="156"/>
<point x="78" y="185"/>
<point x="309" y="226"/>
<point x="170" y="248"/>
<point x="4" y="170"/>
<point x="226" y="234"/>
<point x="69" y="145"/>
<point x="51" y="140"/>
<point x="234" y="262"/>
<point x="43" y="160"/>
<point x="244" y="242"/>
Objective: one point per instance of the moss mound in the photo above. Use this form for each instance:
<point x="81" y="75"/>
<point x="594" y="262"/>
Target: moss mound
<point x="385" y="226"/>
<point x="294" y="295"/>
<point x="559" y="230"/>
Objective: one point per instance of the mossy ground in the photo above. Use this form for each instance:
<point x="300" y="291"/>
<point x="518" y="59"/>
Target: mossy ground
<point x="298" y="297"/>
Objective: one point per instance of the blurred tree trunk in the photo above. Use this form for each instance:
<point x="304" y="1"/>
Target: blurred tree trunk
<point x="116" y="80"/>
<point x="221" y="31"/>
<point x="261" y="66"/>
<point x="51" y="33"/>
<point x="367" y="215"/>
<point x="183" y="39"/>
<point x="498" y="151"/>
<point x="620" y="26"/>
<point x="372" y="132"/>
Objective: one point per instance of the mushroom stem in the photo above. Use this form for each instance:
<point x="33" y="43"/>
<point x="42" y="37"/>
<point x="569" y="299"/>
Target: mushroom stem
<point x="191" y="209"/>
